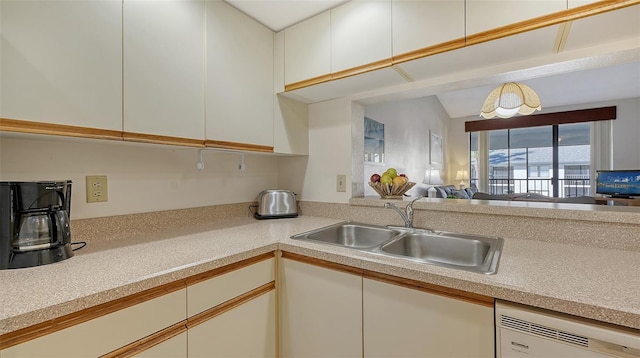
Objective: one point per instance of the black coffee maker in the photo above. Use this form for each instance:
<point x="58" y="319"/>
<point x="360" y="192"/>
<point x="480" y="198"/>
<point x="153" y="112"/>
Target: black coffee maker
<point x="34" y="223"/>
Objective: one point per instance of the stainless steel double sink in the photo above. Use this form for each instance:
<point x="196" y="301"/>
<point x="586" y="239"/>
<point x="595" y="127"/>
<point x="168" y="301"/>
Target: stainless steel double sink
<point x="473" y="253"/>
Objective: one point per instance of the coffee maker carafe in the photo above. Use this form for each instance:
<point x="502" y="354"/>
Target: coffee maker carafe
<point x="34" y="223"/>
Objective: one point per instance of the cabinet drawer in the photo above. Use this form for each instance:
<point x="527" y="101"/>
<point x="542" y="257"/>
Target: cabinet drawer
<point x="106" y="333"/>
<point x="218" y="289"/>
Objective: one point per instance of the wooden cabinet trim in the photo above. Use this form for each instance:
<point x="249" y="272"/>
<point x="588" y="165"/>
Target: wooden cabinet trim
<point x="362" y="69"/>
<point x="322" y="263"/>
<point x="148" y="342"/>
<point x="32" y="127"/>
<point x="429" y="51"/>
<point x="474" y="39"/>
<point x="44" y="328"/>
<point x="161" y="139"/>
<point x="431" y="288"/>
<point x="209" y="143"/>
<point x="308" y="82"/>
<point x="204" y="316"/>
<point x="204" y="276"/>
<point x="41" y="329"/>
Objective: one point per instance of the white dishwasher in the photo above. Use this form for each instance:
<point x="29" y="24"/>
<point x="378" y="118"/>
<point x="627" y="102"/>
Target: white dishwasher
<point x="523" y="331"/>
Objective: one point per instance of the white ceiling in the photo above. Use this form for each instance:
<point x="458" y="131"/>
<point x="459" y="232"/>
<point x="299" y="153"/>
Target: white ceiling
<point x="580" y="87"/>
<point x="280" y="14"/>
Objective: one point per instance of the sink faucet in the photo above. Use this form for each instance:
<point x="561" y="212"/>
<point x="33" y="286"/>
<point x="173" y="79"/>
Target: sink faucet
<point x="407" y="215"/>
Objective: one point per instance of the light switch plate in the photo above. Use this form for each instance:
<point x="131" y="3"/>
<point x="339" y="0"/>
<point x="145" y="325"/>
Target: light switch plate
<point x="97" y="189"/>
<point x="341" y="183"/>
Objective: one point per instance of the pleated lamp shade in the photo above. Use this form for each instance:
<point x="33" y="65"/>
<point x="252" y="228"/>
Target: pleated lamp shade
<point x="510" y="99"/>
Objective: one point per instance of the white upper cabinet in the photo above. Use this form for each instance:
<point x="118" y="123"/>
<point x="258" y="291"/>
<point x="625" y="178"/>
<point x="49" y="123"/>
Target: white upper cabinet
<point x="290" y="117"/>
<point x="239" y="77"/>
<point x="360" y="33"/>
<point x="420" y="24"/>
<point x="483" y="15"/>
<point x="164" y="67"/>
<point x="61" y="62"/>
<point x="308" y="49"/>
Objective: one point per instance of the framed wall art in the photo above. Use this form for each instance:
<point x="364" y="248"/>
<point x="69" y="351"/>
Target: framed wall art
<point x="373" y="141"/>
<point x="435" y="148"/>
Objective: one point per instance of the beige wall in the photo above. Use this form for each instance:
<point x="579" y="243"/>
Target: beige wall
<point x="329" y="154"/>
<point x="141" y="177"/>
<point x="407" y="127"/>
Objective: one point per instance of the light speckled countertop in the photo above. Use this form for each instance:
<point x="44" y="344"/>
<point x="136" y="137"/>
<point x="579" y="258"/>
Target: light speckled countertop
<point x="597" y="283"/>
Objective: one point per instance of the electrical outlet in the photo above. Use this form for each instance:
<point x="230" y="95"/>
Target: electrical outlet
<point x="341" y="183"/>
<point x="96" y="188"/>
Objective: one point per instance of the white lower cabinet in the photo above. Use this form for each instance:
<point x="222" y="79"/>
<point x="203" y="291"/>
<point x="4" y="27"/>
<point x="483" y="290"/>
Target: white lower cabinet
<point x="320" y="311"/>
<point x="248" y="330"/>
<point x="330" y="310"/>
<point x="406" y="322"/>
<point x="233" y="313"/>
<point x="106" y="333"/>
<point x="226" y="312"/>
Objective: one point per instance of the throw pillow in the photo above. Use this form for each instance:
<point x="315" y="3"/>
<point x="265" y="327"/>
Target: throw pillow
<point x="460" y="194"/>
<point x="470" y="192"/>
<point x="441" y="192"/>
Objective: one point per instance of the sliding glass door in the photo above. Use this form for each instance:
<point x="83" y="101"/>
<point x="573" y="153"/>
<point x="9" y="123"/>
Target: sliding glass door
<point x="549" y="160"/>
<point x="574" y="160"/>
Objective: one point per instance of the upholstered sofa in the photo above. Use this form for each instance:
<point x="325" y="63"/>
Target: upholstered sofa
<point x="534" y="197"/>
<point x="450" y="191"/>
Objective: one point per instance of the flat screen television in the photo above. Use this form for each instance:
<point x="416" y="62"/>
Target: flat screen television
<point x="618" y="183"/>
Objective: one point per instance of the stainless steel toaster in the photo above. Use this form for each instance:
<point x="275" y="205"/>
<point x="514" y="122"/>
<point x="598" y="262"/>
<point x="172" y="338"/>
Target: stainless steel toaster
<point x="273" y="204"/>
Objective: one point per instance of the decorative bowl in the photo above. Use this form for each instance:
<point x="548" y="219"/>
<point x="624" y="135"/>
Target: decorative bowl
<point x="387" y="191"/>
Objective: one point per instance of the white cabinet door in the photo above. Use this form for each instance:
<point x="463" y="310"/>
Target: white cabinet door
<point x="320" y="311"/>
<point x="404" y="322"/>
<point x="239" y="77"/>
<point x="61" y="62"/>
<point x="308" y="49"/>
<point x="164" y="67"/>
<point x="420" y="24"/>
<point x="248" y="330"/>
<point x="483" y="15"/>
<point x="360" y="33"/>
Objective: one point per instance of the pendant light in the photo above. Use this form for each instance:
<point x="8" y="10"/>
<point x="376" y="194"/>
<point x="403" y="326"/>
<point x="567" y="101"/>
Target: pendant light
<point x="510" y="99"/>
